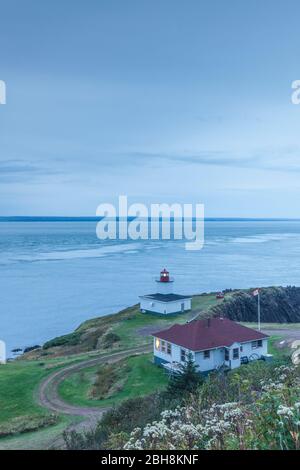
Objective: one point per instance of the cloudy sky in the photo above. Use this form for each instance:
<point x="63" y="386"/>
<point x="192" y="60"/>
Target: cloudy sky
<point x="161" y="100"/>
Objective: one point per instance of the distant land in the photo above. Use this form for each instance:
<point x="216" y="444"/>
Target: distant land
<point x="95" y="219"/>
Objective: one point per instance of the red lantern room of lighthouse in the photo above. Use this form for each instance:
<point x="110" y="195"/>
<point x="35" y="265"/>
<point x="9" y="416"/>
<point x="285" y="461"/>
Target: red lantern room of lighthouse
<point x="164" y="283"/>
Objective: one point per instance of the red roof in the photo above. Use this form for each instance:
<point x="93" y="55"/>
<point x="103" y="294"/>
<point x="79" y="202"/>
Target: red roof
<point x="209" y="334"/>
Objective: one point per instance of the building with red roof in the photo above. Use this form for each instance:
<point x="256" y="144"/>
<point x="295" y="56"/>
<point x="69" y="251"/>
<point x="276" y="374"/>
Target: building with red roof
<point x="212" y="343"/>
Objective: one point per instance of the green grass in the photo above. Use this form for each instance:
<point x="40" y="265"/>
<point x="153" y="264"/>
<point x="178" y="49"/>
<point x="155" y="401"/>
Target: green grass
<point x="18" y="387"/>
<point x="130" y="328"/>
<point x="37" y="440"/>
<point x="142" y="378"/>
<point x="278" y="352"/>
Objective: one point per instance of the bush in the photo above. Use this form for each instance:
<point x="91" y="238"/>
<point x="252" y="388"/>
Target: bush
<point x="114" y="428"/>
<point x="186" y="380"/>
<point x="71" y="340"/>
<point x="22" y="424"/>
<point x="271" y="421"/>
<point x="109" y="340"/>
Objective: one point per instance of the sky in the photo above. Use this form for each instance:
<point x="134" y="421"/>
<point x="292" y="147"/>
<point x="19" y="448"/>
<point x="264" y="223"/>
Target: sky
<point x="162" y="101"/>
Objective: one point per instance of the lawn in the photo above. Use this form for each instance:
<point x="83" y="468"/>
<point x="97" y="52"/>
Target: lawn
<point x="141" y="377"/>
<point x="278" y="352"/>
<point x="37" y="440"/>
<point x="18" y="386"/>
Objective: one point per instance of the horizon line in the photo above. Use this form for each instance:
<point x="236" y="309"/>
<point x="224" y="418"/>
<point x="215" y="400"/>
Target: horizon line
<point x="39" y="218"/>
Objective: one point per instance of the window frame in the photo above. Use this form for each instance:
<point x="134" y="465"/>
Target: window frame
<point x="227" y="355"/>
<point x="206" y="354"/>
<point x="235" y="354"/>
<point x="182" y="355"/>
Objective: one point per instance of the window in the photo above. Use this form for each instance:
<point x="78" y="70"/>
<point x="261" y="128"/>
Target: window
<point x="182" y="307"/>
<point x="226" y="355"/>
<point x="169" y="348"/>
<point x="163" y="346"/>
<point x="259" y="343"/>
<point x="206" y="354"/>
<point x="235" y="353"/>
<point x="254" y="344"/>
<point x="241" y="348"/>
<point x="182" y="355"/>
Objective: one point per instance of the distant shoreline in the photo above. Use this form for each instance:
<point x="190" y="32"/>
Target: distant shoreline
<point x="96" y="219"/>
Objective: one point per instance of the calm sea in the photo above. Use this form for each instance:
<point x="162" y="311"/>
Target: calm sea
<point x="55" y="275"/>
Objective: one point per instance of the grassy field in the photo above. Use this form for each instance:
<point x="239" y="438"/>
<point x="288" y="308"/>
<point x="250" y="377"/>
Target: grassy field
<point x="139" y="376"/>
<point x="278" y="352"/>
<point x="18" y="386"/>
<point x="39" y="439"/>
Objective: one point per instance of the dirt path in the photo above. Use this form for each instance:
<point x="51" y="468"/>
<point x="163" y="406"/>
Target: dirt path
<point x="48" y="392"/>
<point x="291" y="334"/>
<point x="48" y="396"/>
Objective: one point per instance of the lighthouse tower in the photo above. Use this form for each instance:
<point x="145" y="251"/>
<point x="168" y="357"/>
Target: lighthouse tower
<point x="164" y="301"/>
<point x="164" y="283"/>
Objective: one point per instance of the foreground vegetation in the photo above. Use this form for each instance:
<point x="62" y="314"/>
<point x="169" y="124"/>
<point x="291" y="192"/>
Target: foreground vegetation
<point x="19" y="410"/>
<point x="111" y="383"/>
<point x="254" y="407"/>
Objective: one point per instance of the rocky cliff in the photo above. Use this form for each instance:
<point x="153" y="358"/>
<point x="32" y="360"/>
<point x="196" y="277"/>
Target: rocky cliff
<point x="278" y="305"/>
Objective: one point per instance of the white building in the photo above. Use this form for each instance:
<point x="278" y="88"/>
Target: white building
<point x="164" y="301"/>
<point x="212" y="343"/>
<point x="2" y="352"/>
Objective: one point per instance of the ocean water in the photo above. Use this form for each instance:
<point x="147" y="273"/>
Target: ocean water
<point x="55" y="275"/>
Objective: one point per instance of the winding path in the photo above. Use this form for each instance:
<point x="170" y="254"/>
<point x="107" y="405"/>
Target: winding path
<point x="48" y="396"/>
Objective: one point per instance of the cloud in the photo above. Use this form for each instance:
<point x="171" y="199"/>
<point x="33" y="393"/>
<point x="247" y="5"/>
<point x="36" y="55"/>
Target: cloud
<point x="268" y="159"/>
<point x="216" y="158"/>
<point x="17" y="170"/>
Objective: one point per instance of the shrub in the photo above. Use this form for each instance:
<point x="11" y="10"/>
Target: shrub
<point x="109" y="340"/>
<point x="71" y="339"/>
<point x="22" y="424"/>
<point x="272" y="421"/>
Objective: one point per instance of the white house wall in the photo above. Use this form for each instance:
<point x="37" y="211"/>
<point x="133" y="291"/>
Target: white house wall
<point x="248" y="350"/>
<point x="215" y="360"/>
<point x="217" y="356"/>
<point x="164" y="308"/>
<point x="175" y="352"/>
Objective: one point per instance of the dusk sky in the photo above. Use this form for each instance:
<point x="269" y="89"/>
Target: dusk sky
<point x="161" y="100"/>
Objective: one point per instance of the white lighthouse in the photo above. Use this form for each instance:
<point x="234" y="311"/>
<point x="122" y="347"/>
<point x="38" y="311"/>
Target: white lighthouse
<point x="164" y="301"/>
